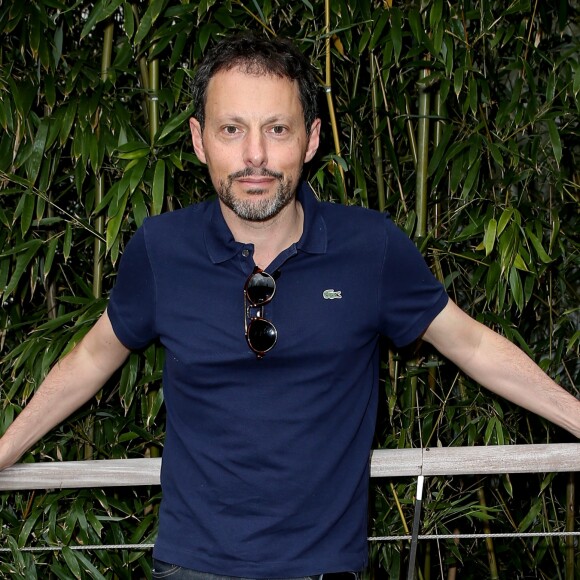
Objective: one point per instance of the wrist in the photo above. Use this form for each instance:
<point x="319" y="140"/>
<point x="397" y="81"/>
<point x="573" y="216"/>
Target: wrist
<point x="8" y="455"/>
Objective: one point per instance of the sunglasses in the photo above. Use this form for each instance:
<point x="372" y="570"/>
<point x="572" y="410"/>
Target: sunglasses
<point x="261" y="334"/>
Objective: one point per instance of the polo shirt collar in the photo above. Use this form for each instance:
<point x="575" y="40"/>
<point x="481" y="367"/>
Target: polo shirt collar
<point x="221" y="245"/>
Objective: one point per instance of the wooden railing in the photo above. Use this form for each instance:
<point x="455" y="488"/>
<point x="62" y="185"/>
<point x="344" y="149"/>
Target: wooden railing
<point x="492" y="459"/>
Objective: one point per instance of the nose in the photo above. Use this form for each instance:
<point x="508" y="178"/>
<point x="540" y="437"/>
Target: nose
<point x="255" y="154"/>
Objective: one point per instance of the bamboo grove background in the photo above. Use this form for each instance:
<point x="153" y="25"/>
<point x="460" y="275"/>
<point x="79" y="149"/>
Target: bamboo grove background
<point x="460" y="119"/>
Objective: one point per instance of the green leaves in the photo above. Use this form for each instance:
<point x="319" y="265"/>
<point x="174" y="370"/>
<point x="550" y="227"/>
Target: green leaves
<point x="503" y="83"/>
<point x="103" y="10"/>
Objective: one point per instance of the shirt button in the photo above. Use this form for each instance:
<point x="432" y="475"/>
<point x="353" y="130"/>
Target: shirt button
<point x="245" y="253"/>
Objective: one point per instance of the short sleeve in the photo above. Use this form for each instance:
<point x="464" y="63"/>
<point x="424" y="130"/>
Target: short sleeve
<point x="411" y="297"/>
<point x="131" y="307"/>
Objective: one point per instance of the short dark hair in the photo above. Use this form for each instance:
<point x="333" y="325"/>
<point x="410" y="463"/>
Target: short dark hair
<point x="258" y="55"/>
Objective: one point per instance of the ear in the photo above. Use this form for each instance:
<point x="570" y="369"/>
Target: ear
<point x="313" y="141"/>
<point x="196" y="139"/>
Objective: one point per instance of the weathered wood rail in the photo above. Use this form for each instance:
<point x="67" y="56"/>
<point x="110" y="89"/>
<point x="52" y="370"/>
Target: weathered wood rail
<point x="492" y="459"/>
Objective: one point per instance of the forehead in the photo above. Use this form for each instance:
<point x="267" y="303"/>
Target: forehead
<point x="237" y="91"/>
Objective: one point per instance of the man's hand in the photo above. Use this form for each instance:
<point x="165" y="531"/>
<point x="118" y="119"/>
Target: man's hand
<point x="69" y="384"/>
<point x="497" y="364"/>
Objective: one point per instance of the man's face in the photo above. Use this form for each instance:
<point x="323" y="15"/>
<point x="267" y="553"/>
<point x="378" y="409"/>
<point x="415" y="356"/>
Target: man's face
<point x="254" y="141"/>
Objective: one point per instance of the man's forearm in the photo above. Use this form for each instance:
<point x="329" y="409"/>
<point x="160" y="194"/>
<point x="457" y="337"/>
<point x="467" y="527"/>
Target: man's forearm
<point x="505" y="369"/>
<point x="502" y="367"/>
<point x="70" y="384"/>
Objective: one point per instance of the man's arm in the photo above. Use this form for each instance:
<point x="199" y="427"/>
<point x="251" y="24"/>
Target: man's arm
<point x="497" y="364"/>
<point x="69" y="384"/>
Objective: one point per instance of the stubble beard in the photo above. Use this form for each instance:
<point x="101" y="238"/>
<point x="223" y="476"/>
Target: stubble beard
<point x="257" y="210"/>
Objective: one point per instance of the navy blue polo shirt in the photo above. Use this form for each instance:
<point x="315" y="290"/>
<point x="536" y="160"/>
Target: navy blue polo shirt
<point x="266" y="461"/>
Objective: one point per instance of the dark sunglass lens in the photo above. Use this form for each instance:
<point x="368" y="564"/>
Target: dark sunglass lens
<point x="262" y="335"/>
<point x="260" y="288"/>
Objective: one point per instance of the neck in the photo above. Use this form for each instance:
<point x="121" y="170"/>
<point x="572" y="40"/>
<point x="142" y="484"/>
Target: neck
<point x="269" y="237"/>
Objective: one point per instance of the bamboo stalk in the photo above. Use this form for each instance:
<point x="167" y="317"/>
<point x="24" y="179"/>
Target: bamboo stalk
<point x="330" y="102"/>
<point x="98" y="244"/>
<point x="421" y="192"/>
<point x="153" y="99"/>
<point x="378" y="148"/>
<point x="493" y="570"/>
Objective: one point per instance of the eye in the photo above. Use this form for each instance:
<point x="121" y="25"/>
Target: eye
<point x="279" y="130"/>
<point x="230" y="130"/>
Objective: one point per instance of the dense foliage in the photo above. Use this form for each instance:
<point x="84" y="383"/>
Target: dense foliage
<point x="461" y="119"/>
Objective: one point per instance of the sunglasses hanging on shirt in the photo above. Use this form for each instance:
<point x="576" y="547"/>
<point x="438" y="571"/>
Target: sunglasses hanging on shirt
<point x="261" y="334"/>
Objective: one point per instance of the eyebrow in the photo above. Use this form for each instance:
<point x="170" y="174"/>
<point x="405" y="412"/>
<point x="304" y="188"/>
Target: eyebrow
<point x="274" y="119"/>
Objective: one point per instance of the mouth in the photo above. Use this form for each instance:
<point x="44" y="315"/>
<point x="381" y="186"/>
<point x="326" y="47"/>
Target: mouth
<point x="256" y="182"/>
<point x="255" y="177"/>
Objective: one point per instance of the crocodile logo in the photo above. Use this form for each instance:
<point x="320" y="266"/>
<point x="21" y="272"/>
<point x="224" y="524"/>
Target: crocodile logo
<point x="331" y="294"/>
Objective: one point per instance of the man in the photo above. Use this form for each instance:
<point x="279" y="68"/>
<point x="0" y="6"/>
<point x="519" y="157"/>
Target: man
<point x="270" y="306"/>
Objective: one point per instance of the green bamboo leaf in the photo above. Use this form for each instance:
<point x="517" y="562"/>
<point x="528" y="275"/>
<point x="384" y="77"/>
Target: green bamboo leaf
<point x="471" y="179"/>
<point x="555" y="140"/>
<point x="22" y="262"/>
<point x="489" y="431"/>
<point x="472" y="94"/>
<point x="28" y="206"/>
<point x="114" y="223"/>
<point x="416" y="25"/>
<point x="436" y="13"/>
<point x="507" y="248"/>
<point x="67" y="245"/>
<point x="152" y="13"/>
<point x="574" y="340"/>
<point x="177" y="121"/>
<point x="71" y="561"/>
<point x="516" y="288"/>
<point x="206" y="32"/>
<point x="158" y="192"/>
<point x="492" y="279"/>
<point x="15" y="552"/>
<point x="139" y="208"/>
<point x="95" y="523"/>
<point x="396" y="31"/>
<point x="154" y="408"/>
<point x="457" y="172"/>
<point x="35" y="160"/>
<point x="517" y="7"/>
<point x="27" y="527"/>
<point x="102" y="10"/>
<point x="538" y="247"/>
<point x="576" y="82"/>
<point x="5" y="121"/>
<point x="531" y="515"/>
<point x="490" y="236"/>
<point x="458" y="76"/>
<point x="504" y="219"/>
<point x="24" y="94"/>
<point x="133" y="150"/>
<point x="378" y="29"/>
<point x="34" y="32"/>
<point x="67" y="121"/>
<point x="520" y="263"/>
<point x="551" y="87"/>
<point x="128" y="20"/>
<point x="555" y="230"/>
<point x="93" y="150"/>
<point x="495" y="153"/>
<point x="136" y="173"/>
<point x="87" y="564"/>
<point x="49" y="90"/>
<point x="57" y="44"/>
